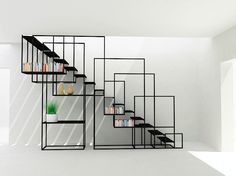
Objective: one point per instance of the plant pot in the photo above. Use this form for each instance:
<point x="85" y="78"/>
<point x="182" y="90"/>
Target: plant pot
<point x="51" y="118"/>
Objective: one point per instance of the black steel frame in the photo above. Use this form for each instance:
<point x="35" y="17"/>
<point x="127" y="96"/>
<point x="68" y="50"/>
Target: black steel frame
<point x="44" y="82"/>
<point x="46" y="53"/>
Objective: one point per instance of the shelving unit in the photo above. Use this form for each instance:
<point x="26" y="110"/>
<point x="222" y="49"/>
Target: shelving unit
<point x="127" y="115"/>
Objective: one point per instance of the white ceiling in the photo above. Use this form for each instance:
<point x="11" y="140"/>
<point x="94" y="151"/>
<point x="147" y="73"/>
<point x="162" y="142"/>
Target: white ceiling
<point x="159" y="18"/>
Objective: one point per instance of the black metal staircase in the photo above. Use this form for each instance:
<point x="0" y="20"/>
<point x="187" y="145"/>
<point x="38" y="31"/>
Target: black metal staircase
<point x="134" y="122"/>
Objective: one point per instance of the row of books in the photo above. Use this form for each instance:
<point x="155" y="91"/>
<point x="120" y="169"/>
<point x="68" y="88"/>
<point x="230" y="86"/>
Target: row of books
<point x="47" y="67"/>
<point x="114" y="110"/>
<point x="124" y="123"/>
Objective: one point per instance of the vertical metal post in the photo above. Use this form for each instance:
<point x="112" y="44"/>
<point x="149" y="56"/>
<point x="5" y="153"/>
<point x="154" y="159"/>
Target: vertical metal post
<point x="94" y="117"/>
<point x="144" y="101"/>
<point x="73" y="56"/>
<point x="37" y="58"/>
<point x="124" y="96"/>
<point x="32" y="55"/>
<point x="154" y="99"/>
<point x="42" y="136"/>
<point x="114" y="108"/>
<point x="134" y="123"/>
<point x="46" y="125"/>
<point x="104" y="73"/>
<point x="53" y="49"/>
<point x="22" y="53"/>
<point x="174" y="117"/>
<point x="84" y="113"/>
<point x="27" y="50"/>
<point x="94" y="122"/>
<point x="32" y="64"/>
<point x="84" y="59"/>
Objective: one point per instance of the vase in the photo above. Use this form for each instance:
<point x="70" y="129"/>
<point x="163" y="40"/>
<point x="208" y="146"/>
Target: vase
<point x="51" y="118"/>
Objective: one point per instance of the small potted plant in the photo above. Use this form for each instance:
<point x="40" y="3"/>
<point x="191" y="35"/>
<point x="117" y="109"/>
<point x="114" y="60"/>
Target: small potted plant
<point x="51" y="115"/>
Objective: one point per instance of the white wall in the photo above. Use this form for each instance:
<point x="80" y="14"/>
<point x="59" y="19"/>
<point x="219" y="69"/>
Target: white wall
<point x="228" y="102"/>
<point x="185" y="67"/>
<point x="225" y="45"/>
<point x="4" y="104"/>
<point x="225" y="49"/>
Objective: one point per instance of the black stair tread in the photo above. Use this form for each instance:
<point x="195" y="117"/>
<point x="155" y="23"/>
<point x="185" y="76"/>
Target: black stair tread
<point x="99" y="90"/>
<point x="62" y="61"/>
<point x="88" y="82"/>
<point x="155" y="132"/>
<point x="136" y="118"/>
<point x="144" y="125"/>
<point x="50" y="53"/>
<point x="165" y="139"/>
<point x="66" y="122"/>
<point x="118" y="104"/>
<point x="70" y="68"/>
<point x="129" y="111"/>
<point x="35" y="42"/>
<point x="42" y="47"/>
<point x="80" y="75"/>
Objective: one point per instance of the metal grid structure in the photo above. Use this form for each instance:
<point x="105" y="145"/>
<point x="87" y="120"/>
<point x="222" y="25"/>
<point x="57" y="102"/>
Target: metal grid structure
<point x="140" y="123"/>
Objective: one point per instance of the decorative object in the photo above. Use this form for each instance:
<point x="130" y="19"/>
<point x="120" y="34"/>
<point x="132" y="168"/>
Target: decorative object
<point x="27" y="67"/>
<point x="45" y="68"/>
<point x="121" y="110"/>
<point x="51" y="115"/>
<point x="61" y="89"/>
<point x="70" y="90"/>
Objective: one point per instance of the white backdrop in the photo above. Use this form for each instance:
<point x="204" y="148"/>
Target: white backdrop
<point x="184" y="68"/>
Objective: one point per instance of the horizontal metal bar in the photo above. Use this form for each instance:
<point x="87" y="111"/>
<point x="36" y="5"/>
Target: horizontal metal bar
<point x="65" y="145"/>
<point x="164" y="126"/>
<point x="167" y="96"/>
<point x="95" y="36"/>
<point x="134" y="73"/>
<point x="78" y="95"/>
<point x="114" y="81"/>
<point x="119" y="58"/>
<point x="79" y="43"/>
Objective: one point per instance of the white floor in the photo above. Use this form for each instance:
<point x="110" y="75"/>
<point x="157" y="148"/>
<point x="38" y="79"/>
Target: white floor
<point x="28" y="161"/>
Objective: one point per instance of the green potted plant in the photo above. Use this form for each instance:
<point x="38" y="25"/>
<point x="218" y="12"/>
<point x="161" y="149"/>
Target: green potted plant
<point x="51" y="115"/>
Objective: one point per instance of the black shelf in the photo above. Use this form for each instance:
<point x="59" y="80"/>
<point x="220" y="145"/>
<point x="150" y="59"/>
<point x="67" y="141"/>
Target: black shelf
<point x="155" y="132"/>
<point x="74" y="95"/>
<point x="99" y="90"/>
<point x="36" y="43"/>
<point x="165" y="139"/>
<point x="144" y="125"/>
<point x="92" y="83"/>
<point x="129" y="111"/>
<point x="80" y="76"/>
<point x="62" y="61"/>
<point x="64" y="147"/>
<point x="136" y="118"/>
<point x="70" y="68"/>
<point x="124" y="127"/>
<point x="40" y="46"/>
<point x="66" y="122"/>
<point x="118" y="104"/>
<point x="43" y="73"/>
<point x="115" y="114"/>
